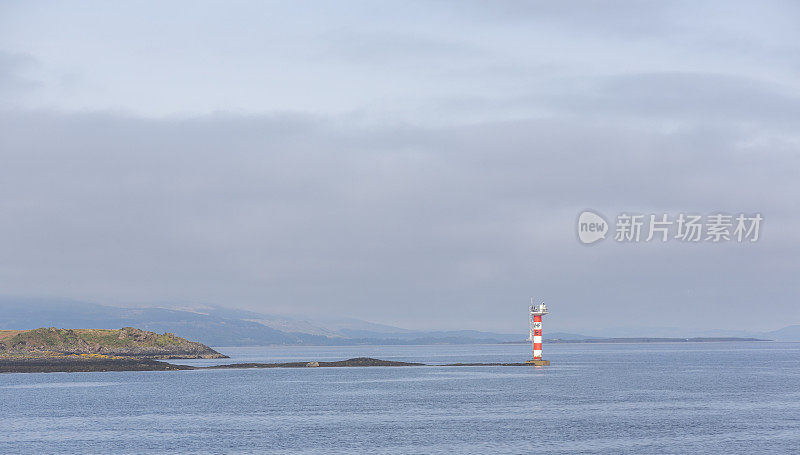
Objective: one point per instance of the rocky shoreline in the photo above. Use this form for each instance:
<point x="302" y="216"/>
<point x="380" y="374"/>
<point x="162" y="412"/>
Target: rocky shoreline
<point x="128" y="364"/>
<point x="85" y="365"/>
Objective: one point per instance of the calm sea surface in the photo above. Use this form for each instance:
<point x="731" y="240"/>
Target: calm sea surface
<point x="605" y="398"/>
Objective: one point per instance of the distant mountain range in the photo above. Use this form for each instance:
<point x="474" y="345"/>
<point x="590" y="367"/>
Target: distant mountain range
<point x="219" y="326"/>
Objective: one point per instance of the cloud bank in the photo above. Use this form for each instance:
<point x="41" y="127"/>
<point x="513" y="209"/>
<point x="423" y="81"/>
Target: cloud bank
<point x="375" y="165"/>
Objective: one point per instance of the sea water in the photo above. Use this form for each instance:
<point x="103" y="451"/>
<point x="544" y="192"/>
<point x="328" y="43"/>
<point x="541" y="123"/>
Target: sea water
<point x="730" y="397"/>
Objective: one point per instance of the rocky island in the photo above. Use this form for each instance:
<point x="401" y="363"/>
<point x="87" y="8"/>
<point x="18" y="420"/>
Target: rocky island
<point x="125" y="349"/>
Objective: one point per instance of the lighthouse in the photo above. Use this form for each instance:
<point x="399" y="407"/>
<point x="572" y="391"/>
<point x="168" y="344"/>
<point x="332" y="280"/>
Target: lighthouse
<point x="536" y="313"/>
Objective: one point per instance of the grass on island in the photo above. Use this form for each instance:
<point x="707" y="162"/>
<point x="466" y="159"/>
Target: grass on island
<point x="110" y="338"/>
<point x="98" y="344"/>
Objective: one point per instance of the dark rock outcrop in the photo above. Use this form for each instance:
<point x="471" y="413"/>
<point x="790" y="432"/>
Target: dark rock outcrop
<point x="85" y="365"/>
<point x="355" y="362"/>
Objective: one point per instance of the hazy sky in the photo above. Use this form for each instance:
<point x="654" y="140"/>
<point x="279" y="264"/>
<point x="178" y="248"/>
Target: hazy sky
<point x="420" y="164"/>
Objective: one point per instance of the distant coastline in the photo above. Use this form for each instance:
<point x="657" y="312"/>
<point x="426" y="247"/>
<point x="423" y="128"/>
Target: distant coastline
<point x="644" y="340"/>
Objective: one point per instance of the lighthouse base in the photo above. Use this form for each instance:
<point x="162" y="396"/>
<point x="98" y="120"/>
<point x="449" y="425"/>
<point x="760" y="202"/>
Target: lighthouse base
<point x="538" y="363"/>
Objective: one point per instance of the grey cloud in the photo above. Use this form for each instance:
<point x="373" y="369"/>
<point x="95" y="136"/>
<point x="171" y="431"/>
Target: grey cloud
<point x="395" y="48"/>
<point x="398" y="223"/>
<point x="14" y="73"/>
<point x="690" y="98"/>
<point x="612" y="18"/>
<point x="732" y="105"/>
<point x="425" y="166"/>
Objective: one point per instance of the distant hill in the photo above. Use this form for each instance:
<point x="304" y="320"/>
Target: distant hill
<point x="206" y="328"/>
<point x="790" y="333"/>
<point x="566" y="336"/>
<point x="218" y="326"/>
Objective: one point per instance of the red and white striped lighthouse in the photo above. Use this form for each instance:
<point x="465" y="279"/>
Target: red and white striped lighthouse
<point x="537" y="311"/>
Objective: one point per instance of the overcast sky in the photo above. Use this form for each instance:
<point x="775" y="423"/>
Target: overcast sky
<point x="420" y="164"/>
